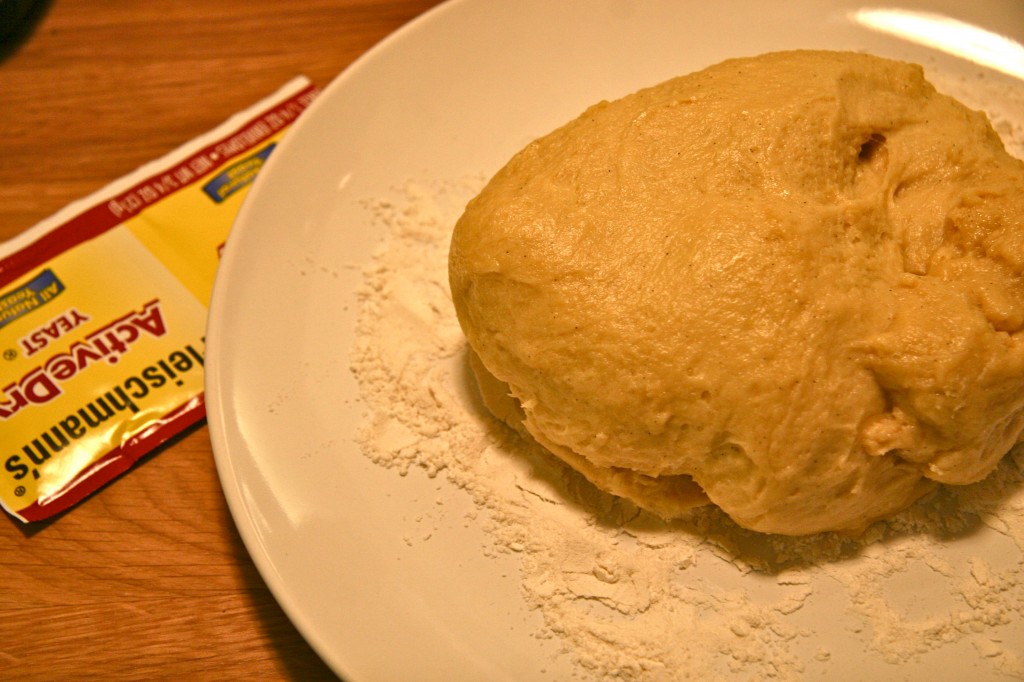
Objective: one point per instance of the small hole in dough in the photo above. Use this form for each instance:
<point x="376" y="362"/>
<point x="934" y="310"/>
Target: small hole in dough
<point x="871" y="147"/>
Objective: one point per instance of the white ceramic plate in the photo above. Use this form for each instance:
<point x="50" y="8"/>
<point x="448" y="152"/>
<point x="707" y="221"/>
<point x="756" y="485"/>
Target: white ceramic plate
<point x="456" y="92"/>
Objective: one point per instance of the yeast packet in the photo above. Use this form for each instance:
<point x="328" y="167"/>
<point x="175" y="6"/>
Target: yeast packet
<point x="103" y="312"/>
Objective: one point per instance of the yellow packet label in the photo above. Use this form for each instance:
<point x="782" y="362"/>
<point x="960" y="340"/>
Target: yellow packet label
<point x="103" y="313"/>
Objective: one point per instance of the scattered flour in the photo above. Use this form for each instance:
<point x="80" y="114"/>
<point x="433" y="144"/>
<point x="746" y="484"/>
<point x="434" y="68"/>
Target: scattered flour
<point x="940" y="588"/>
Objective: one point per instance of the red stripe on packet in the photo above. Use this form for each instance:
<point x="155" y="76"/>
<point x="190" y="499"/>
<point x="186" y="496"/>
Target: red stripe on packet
<point x="96" y="220"/>
<point x="117" y="461"/>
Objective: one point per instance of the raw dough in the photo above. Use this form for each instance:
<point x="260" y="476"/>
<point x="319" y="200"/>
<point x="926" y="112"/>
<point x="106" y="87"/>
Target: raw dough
<point x="788" y="284"/>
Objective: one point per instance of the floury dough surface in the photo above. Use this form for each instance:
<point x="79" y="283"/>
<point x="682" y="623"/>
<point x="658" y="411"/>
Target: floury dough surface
<point x="794" y="280"/>
<point x="933" y="593"/>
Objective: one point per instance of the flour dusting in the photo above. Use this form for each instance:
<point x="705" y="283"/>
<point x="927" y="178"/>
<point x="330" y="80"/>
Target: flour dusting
<point x="939" y="588"/>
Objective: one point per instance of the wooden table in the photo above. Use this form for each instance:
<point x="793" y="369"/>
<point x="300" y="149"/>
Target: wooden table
<point x="148" y="579"/>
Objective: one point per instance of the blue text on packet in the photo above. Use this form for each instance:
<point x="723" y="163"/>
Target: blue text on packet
<point x="237" y="175"/>
<point x="29" y="296"/>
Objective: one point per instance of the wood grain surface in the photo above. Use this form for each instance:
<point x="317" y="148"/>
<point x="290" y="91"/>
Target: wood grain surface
<point x="148" y="579"/>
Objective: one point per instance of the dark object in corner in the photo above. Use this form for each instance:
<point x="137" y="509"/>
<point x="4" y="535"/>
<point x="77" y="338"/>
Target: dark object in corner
<point x="18" y="18"/>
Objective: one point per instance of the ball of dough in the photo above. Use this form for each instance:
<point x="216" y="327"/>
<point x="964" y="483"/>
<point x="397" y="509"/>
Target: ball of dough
<point x="788" y="284"/>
